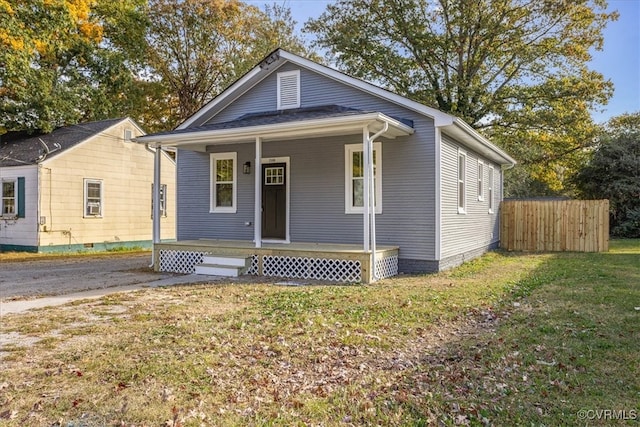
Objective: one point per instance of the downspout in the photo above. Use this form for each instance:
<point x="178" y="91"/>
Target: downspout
<point x="157" y="161"/>
<point x="502" y="169"/>
<point x="438" y="195"/>
<point x="372" y="198"/>
<point x="366" y="193"/>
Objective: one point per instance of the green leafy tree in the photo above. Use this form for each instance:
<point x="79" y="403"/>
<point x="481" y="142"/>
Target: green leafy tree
<point x="614" y="173"/>
<point x="158" y="61"/>
<point x="196" y="48"/>
<point x="63" y="61"/>
<point x="516" y="70"/>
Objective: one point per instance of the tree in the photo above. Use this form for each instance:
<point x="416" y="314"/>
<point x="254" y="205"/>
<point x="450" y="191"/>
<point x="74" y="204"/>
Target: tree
<point x="157" y="61"/>
<point x="614" y="173"/>
<point x="196" y="48"/>
<point x="61" y="62"/>
<point x="513" y="69"/>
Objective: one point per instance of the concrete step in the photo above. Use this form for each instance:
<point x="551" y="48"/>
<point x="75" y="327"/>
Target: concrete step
<point x="219" y="270"/>
<point x="235" y="261"/>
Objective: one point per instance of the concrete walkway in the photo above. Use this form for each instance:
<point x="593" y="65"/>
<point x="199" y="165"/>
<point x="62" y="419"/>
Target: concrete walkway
<point x="13" y="307"/>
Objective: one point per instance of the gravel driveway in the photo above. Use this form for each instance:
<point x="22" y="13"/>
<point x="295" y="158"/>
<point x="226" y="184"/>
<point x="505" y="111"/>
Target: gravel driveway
<point x="77" y="273"/>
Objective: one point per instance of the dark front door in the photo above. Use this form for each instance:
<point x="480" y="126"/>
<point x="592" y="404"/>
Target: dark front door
<point x="274" y="201"/>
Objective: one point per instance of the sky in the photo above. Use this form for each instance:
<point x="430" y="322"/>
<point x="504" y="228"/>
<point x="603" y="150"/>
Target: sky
<point x="619" y="61"/>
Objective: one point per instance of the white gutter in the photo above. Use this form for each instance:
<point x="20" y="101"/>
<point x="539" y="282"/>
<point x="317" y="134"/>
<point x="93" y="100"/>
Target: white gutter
<point x="482" y="141"/>
<point x="281" y="130"/>
<point x="372" y="198"/>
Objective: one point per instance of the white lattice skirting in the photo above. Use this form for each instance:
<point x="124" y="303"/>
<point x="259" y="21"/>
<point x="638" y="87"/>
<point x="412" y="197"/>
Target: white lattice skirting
<point x="386" y="267"/>
<point x="254" y="269"/>
<point x="334" y="270"/>
<point x="180" y="261"/>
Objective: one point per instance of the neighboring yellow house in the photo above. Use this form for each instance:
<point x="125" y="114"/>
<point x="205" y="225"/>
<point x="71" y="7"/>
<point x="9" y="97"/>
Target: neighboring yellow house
<point x="82" y="187"/>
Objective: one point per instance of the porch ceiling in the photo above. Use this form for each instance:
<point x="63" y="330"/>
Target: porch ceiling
<point x="278" y="126"/>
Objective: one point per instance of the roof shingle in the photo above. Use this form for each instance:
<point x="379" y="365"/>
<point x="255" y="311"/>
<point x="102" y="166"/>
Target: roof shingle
<point x="278" y="117"/>
<point x="20" y="148"/>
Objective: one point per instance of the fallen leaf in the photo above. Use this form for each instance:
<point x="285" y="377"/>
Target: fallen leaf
<point x="8" y="414"/>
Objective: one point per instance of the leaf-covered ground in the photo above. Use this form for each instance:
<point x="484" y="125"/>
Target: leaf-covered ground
<point x="533" y="339"/>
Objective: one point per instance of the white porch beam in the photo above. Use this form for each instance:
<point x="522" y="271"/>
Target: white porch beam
<point x="344" y="125"/>
<point x="257" y="218"/>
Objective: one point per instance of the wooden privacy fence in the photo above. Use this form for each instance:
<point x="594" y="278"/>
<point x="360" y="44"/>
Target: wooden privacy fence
<point x="558" y="225"/>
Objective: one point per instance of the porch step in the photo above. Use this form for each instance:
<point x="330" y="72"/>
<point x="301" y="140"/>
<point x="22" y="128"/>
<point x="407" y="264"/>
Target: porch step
<point x="227" y="266"/>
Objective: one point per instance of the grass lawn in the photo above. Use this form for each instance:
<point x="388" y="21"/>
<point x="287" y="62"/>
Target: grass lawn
<point x="508" y="339"/>
<point x="31" y="256"/>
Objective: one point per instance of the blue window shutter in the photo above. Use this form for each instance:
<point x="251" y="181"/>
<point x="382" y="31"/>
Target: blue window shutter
<point x="21" y="203"/>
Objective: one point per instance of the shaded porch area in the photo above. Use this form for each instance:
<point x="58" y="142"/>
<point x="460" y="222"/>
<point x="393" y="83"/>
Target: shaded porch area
<point x="340" y="263"/>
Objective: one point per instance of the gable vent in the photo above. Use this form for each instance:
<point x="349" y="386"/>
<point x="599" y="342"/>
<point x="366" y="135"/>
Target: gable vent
<point x="289" y="90"/>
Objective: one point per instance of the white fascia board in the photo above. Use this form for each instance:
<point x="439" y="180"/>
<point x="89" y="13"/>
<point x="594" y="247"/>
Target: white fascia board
<point x="221" y="97"/>
<point x="440" y="118"/>
<point x="11" y="172"/>
<point x="134" y="123"/>
<point x="472" y="139"/>
<point x="306" y="128"/>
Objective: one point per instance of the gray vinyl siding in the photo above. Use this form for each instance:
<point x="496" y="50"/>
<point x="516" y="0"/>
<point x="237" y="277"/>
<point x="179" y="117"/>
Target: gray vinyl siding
<point x="194" y="197"/>
<point x="317" y="176"/>
<point x="466" y="233"/>
<point x="317" y="202"/>
<point x="315" y="90"/>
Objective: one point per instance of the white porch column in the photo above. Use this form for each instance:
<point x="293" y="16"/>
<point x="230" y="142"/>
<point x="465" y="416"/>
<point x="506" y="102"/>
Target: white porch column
<point x="157" y="185"/>
<point x="366" y="222"/>
<point x="257" y="219"/>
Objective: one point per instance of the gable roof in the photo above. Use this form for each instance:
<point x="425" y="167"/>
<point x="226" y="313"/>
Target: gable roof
<point x="21" y="148"/>
<point x="447" y="123"/>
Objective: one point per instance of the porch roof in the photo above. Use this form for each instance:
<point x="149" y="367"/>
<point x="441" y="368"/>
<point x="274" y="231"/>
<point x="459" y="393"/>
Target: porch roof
<point x="328" y="120"/>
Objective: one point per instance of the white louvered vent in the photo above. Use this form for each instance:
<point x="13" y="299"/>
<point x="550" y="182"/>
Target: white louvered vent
<point x="289" y="90"/>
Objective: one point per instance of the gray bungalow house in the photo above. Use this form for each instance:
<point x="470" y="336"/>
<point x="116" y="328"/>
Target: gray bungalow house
<point x="300" y="171"/>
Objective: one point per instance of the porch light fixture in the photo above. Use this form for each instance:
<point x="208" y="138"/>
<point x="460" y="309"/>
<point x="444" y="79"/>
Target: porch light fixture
<point x="246" y="168"/>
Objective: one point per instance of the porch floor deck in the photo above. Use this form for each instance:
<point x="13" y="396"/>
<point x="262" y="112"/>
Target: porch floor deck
<point x="293" y="247"/>
<point x="332" y="261"/>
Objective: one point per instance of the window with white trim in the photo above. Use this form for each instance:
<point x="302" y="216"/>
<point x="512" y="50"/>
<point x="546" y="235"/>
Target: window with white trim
<point x="163" y="199"/>
<point x="480" y="180"/>
<point x="224" y="178"/>
<point x="490" y="189"/>
<point x="354" y="174"/>
<point x="93" y="198"/>
<point x="462" y="183"/>
<point x="128" y="134"/>
<point x="9" y="201"/>
<point x="289" y="90"/>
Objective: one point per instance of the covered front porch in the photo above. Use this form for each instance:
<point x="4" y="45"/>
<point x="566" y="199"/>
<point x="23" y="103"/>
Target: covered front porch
<point x="340" y="263"/>
<point x="277" y="148"/>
